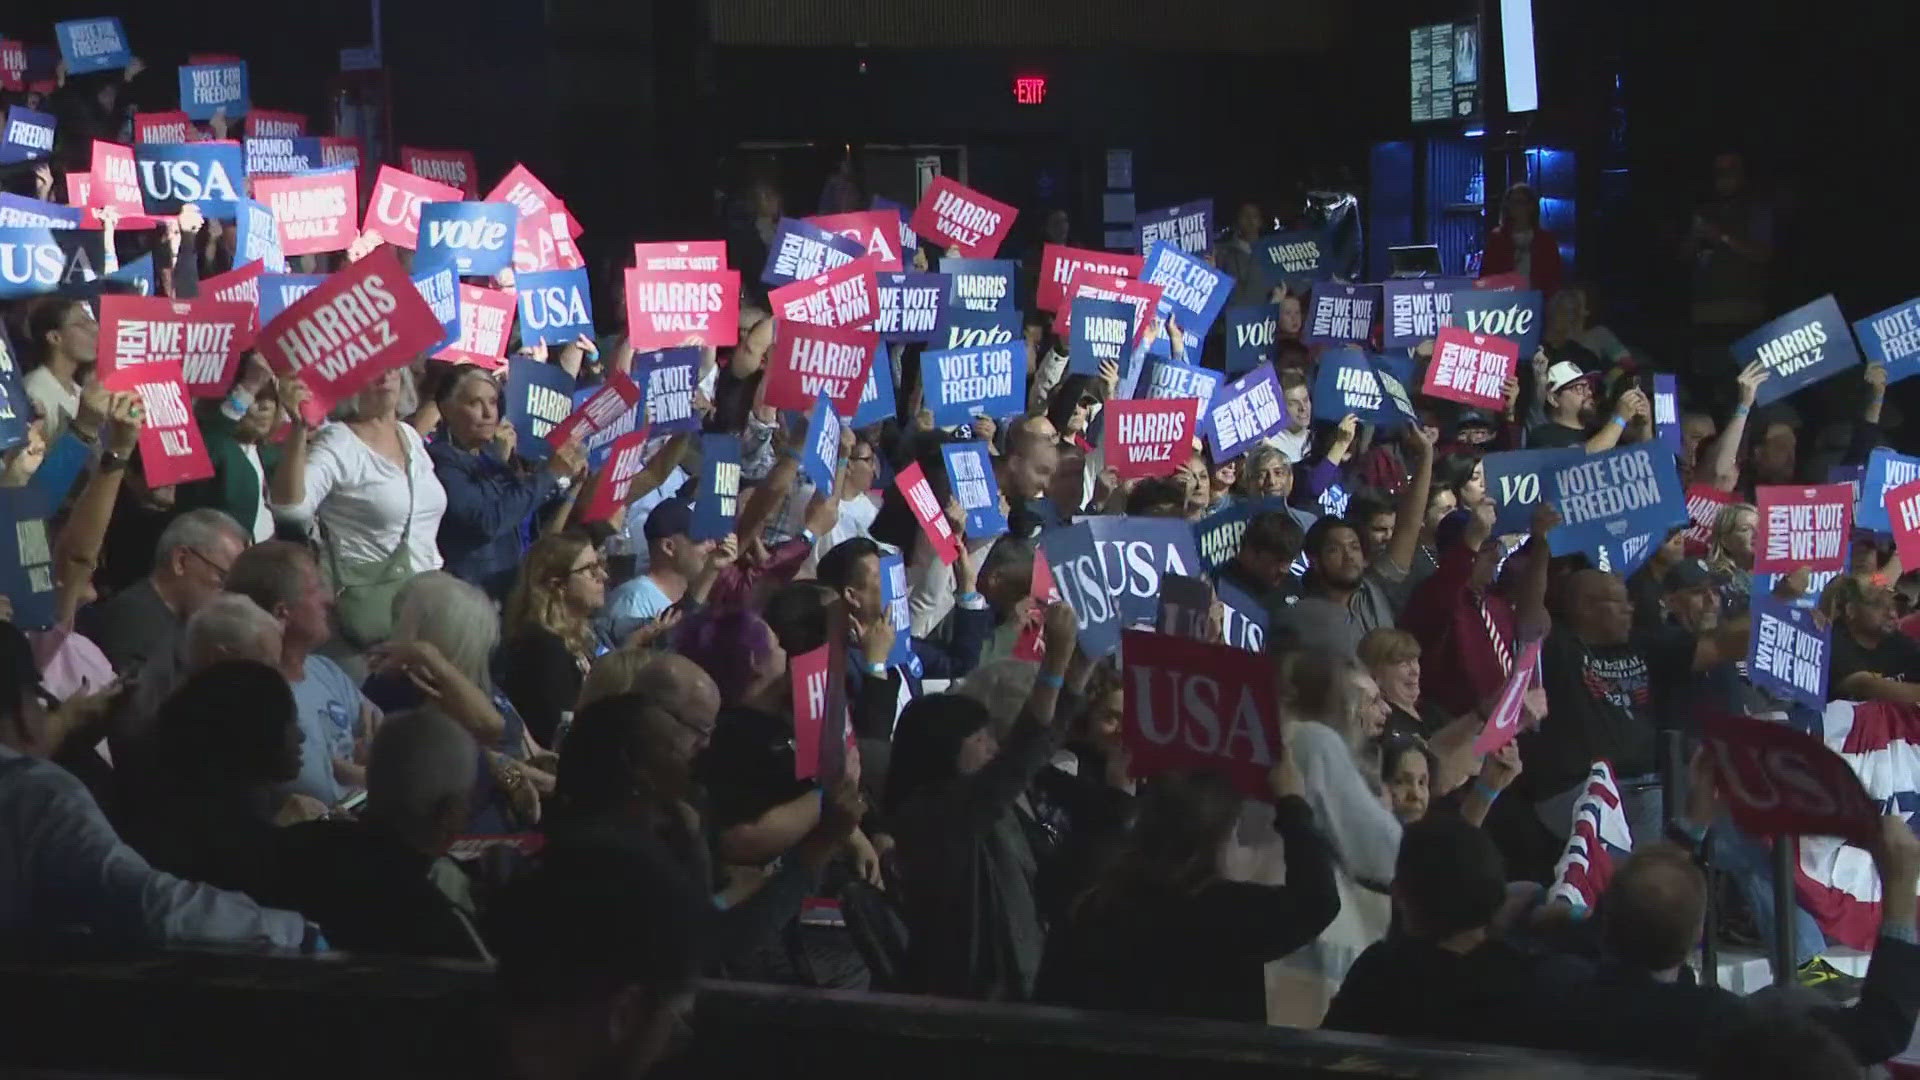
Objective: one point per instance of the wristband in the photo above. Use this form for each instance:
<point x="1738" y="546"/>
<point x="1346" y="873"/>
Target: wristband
<point x="970" y="597"/>
<point x="1481" y="787"/>
<point x="1620" y="420"/>
<point x="1741" y="410"/>
<point x="877" y="670"/>
<point x="1050" y="680"/>
<point x="807" y="535"/>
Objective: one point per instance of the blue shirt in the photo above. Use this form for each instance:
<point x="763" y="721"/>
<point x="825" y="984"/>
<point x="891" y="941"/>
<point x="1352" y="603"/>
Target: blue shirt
<point x="484" y="531"/>
<point x="328" y="704"/>
<point x="632" y="605"/>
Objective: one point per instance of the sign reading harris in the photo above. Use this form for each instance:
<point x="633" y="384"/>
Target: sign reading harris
<point x="1291" y="254"/>
<point x="1100" y="331"/>
<point x="314" y="212"/>
<point x="954" y="215"/>
<point x="674" y="307"/>
<point x="961" y="384"/>
<point x="1244" y="411"/>
<point x="1251" y="329"/>
<point x="1802" y="526"/>
<point x="979" y="284"/>
<point x="28" y="135"/>
<point x="1892" y="338"/>
<point x="1341" y="313"/>
<point x="475" y="238"/>
<point x="1188" y="227"/>
<point x="89" y="45"/>
<point x="172" y="450"/>
<point x="1189" y="288"/>
<point x="556" y="306"/>
<point x="1514" y="315"/>
<point x="801" y="249"/>
<point x="1149" y="438"/>
<point x="1471" y="368"/>
<point x="211" y="175"/>
<point x="913" y="484"/>
<point x="1417" y="309"/>
<point x="1790" y="653"/>
<point x="1903" y="511"/>
<point x="1059" y="263"/>
<point x="451" y="167"/>
<point x="206" y="89"/>
<point x="1218" y="535"/>
<point x="164" y="127"/>
<point x="909" y="306"/>
<point x="1348" y="384"/>
<point x="202" y="339"/>
<point x="1194" y="705"/>
<point x="716" y="502"/>
<point x="1800" y="348"/>
<point x="810" y="360"/>
<point x="970" y="476"/>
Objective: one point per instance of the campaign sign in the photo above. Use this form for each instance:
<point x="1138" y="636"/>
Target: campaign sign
<point x="1903" y="511"/>
<point x="1666" y="412"/>
<point x="1217" y="536"/>
<point x="803" y="250"/>
<point x="89" y="45"/>
<point x="1099" y="333"/>
<point x="1802" y="526"/>
<point x="910" y="306"/>
<point x="555" y="306"/>
<point x="257" y="237"/>
<point x="1471" y="368"/>
<point x="20" y="212"/>
<point x="1172" y="379"/>
<point x="1515" y="480"/>
<point x="539" y="397"/>
<point x="808" y="672"/>
<point x="1135" y="553"/>
<point x="206" y="89"/>
<point x="115" y="181"/>
<point x="527" y="194"/>
<point x="475" y="238"/>
<point x="667" y="380"/>
<point x="927" y="511"/>
<point x="1704" y="504"/>
<point x="908" y="241"/>
<point x="970" y="476"/>
<point x="625" y="458"/>
<point x="716" y="501"/>
<point x="809" y="360"/>
<point x="893" y="598"/>
<point x="845" y="296"/>
<point x="361" y="322"/>
<point x="1192" y="705"/>
<point x="1416" y="309"/>
<point x="1141" y="296"/>
<point x="1504" y="719"/>
<point x="820" y="449"/>
<point x="1186" y="607"/>
<point x="441" y="290"/>
<point x="16" y="408"/>
<point x="202" y="339"/>
<point x="283" y="155"/>
<point x="172" y="450"/>
<point x="604" y="407"/>
<point x="1780" y="781"/>
<point x="1886" y="470"/>
<point x="878" y="231"/>
<point x="954" y="215"/>
<point x="13" y="65"/>
<point x="960" y="384"/>
<point x="1059" y="263"/>
<point x="1341" y="313"/>
<point x="1800" y="348"/>
<point x="543" y="242"/>
<point x="315" y="212"/>
<point x="27" y="136"/>
<point x="274" y="123"/>
<point x="240" y="285"/>
<point x="39" y="260"/>
<point x="1243" y="624"/>
<point x="1080" y="578"/>
<point x="1348" y="384"/>
<point x="164" y="127"/>
<point x="1251" y="329"/>
<point x="963" y="329"/>
<point x="393" y="213"/>
<point x="666" y="308"/>
<point x="453" y="168"/>
<point x="210" y="175"/>
<point x="1243" y="412"/>
<point x="1610" y="496"/>
<point x="278" y="292"/>
<point x="486" y="322"/>
<point x="1188" y="227"/>
<point x="1289" y="254"/>
<point x="1190" y="289"/>
<point x="662" y="255"/>
<point x="979" y="284"/>
<point x="876" y="397"/>
<point x="26" y="554"/>
<point x="1512" y="315"/>
<point x="1149" y="438"/>
<point x="1892" y="338"/>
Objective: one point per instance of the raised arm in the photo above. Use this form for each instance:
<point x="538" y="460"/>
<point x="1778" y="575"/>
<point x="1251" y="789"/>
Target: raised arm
<point x="1631" y="404"/>
<point x="999" y="782"/>
<point x="1411" y="513"/>
<point x="1530" y="616"/>
<point x="1724" y="471"/>
<point x="78" y="546"/>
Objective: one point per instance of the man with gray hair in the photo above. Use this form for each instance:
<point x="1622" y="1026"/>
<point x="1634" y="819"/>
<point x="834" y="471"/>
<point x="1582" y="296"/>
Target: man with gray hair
<point x="227" y="627"/>
<point x="190" y="565"/>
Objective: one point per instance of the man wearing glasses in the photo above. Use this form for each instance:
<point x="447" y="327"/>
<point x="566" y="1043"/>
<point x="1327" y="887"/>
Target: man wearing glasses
<point x="190" y="566"/>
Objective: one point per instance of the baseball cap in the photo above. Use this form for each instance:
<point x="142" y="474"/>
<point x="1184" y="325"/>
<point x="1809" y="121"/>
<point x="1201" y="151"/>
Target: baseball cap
<point x="1687" y="574"/>
<point x="673" y="517"/>
<point x="1565" y="374"/>
<point x="1474" y="418"/>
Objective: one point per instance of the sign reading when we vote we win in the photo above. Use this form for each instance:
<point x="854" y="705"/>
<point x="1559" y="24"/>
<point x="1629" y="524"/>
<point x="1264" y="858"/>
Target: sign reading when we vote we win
<point x="801" y="249"/>
<point x="1243" y="411"/>
<point x="1471" y="368"/>
<point x="201" y="338"/>
<point x="1802" y="526"/>
<point x="845" y="296"/>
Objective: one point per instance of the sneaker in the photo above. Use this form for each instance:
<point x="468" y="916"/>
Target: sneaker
<point x="1818" y="975"/>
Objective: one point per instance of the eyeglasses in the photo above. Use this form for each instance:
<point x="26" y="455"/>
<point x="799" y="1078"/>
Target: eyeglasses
<point x="219" y="571"/>
<point x="594" y="567"/>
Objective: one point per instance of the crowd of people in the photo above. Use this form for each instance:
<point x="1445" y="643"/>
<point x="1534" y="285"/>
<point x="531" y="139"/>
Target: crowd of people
<point x="376" y="685"/>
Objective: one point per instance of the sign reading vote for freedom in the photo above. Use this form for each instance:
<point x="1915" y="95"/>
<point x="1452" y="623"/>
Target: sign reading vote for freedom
<point x="810" y="360"/>
<point x="1250" y="332"/>
<point x="362" y="321"/>
<point x="393" y="213"/>
<point x="1514" y="315"/>
<point x="1149" y="438"/>
<point x="1886" y="470"/>
<point x="909" y="306"/>
<point x="1417" y="309"/>
<point x="961" y="384"/>
<point x="979" y="284"/>
<point x="801" y="249"/>
<point x="1800" y="348"/>
<point x="1610" y="496"/>
<point x="1244" y="411"/>
<point x="1515" y="482"/>
<point x="673" y="307"/>
<point x="1188" y="227"/>
<point x="878" y="231"/>
<point x="202" y="339"/>
<point x="1892" y="338"/>
<point x="845" y="296"/>
<point x="89" y="45"/>
<point x="1099" y="333"/>
<point x="1191" y="705"/>
<point x="955" y="215"/>
<point x="1471" y="368"/>
<point x="1341" y="313"/>
<point x="1059" y="263"/>
<point x="475" y="238"/>
<point x="315" y="211"/>
<point x="1171" y="379"/>
<point x="441" y="290"/>
<point x="970" y="475"/>
<point x="27" y="136"/>
<point x="1790" y="652"/>
<point x="1190" y="289"/>
<point x="1802" y="526"/>
<point x="206" y="89"/>
<point x="208" y="174"/>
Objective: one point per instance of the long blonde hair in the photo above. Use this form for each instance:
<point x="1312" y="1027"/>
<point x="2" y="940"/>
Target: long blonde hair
<point x="538" y="599"/>
<point x="1723" y="524"/>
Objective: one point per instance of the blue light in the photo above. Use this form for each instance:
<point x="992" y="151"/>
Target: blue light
<point x="1474" y="133"/>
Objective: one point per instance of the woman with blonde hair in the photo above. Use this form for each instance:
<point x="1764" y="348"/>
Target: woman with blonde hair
<point x="1730" y="553"/>
<point x="548" y="630"/>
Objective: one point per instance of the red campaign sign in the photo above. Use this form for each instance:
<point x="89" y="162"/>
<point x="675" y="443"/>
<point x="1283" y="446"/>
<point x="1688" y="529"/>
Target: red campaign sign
<point x="668" y="308"/>
<point x="615" y="399"/>
<point x="486" y="320"/>
<point x="451" y="167"/>
<point x="1501" y="282"/>
<point x="876" y="230"/>
<point x="1802" y="526"/>
<point x="1150" y="438"/>
<point x="1503" y="723"/>
<point x="678" y="255"/>
<point x="545" y="242"/>
<point x="847" y="295"/>
<point x="1779" y="781"/>
<point x="13" y="64"/>
<point x="1903" y="511"/>
<point x="393" y="213"/>
<point x="270" y="123"/>
<point x="1195" y="705"/>
<point x="810" y="360"/>
<point x="240" y="286"/>
<point x="926" y="510"/>
<point x="202" y="339"/>
<point x="1030" y="645"/>
<point x="171" y="448"/>
<point x="80" y="195"/>
<point x="343" y="150"/>
<point x="525" y="191"/>
<point x="315" y="213"/>
<point x="164" y="128"/>
<point x="113" y="180"/>
<point x="809" y="709"/>
<point x="362" y="321"/>
<point x="1704" y="504"/>
<point x="625" y="458"/>
<point x="1141" y="295"/>
<point x="1058" y="264"/>
<point x="1471" y="368"/>
<point x="954" y="215"/>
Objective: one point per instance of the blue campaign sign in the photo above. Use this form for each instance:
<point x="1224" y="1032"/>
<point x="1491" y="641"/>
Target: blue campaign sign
<point x="1081" y="579"/>
<point x="1621" y="557"/>
<point x="1801" y="348"/>
<point x="1608" y="497"/>
<point x="1190" y="289"/>
<point x="89" y="45"/>
<point x="1188" y="227"/>
<point x="1251" y="329"/>
<point x="910" y="306"/>
<point x="909" y="240"/>
<point x="1666" y="411"/>
<point x="138" y="274"/>
<point x="538" y="398"/>
<point x="1515" y="481"/>
<point x="717" y="498"/>
<point x="1415" y="309"/>
<point x="820" y="450"/>
<point x="667" y="380"/>
<point x="979" y="284"/>
<point x="1348" y="383"/>
<point x="1135" y="553"/>
<point x="210" y="175"/>
<point x="893" y="596"/>
<point x="27" y="136"/>
<point x="970" y="470"/>
<point x="441" y="290"/>
<point x="801" y="249"/>
<point x="1892" y="338"/>
<point x="1288" y="255"/>
<point x="37" y="261"/>
<point x="279" y="291"/>
<point x="475" y="238"/>
<point x="1341" y="313"/>
<point x="21" y="212"/>
<point x="284" y="154"/>
<point x="16" y="409"/>
<point x="26" y="557"/>
<point x="66" y="459"/>
<point x="556" y="306"/>
<point x="1332" y="500"/>
<point x="1167" y="379"/>
<point x="960" y="384"/>
<point x="1789" y="652"/>
<point x="1243" y="412"/>
<point x="1511" y="315"/>
<point x="1245" y="626"/>
<point x="1097" y="333"/>
<point x="208" y="88"/>
<point x="876" y="398"/>
<point x="1217" y="536"/>
<point x="963" y="329"/>
<point x="257" y="237"/>
<point x="1886" y="470"/>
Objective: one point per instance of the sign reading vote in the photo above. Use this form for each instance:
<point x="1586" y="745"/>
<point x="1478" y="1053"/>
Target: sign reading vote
<point x="820" y="449"/>
<point x="206" y="89"/>
<point x="1059" y="263"/>
<point x="1886" y="470"/>
<point x="673" y="307"/>
<point x="89" y="45"/>
<point x="1244" y="411"/>
<point x="475" y="238"/>
<point x="878" y="231"/>
<point x="1514" y="315"/>
<point x="963" y="329"/>
<point x="1800" y="348"/>
<point x="202" y="339"/>
<point x="961" y="384"/>
<point x="1892" y="338"/>
<point x="556" y="306"/>
<point x="1341" y="313"/>
<point x="1190" y="289"/>
<point x="1471" y="368"/>
<point x="1289" y="254"/>
<point x="1100" y="330"/>
<point x="667" y="381"/>
<point x="1610" y="496"/>
<point x="1251" y="329"/>
<point x="1780" y="781"/>
<point x="954" y="215"/>
<point x="1188" y="227"/>
<point x="1191" y="705"/>
<point x="1515" y="482"/>
<point x="28" y="135"/>
<point x="716" y="501"/>
<point x="393" y="213"/>
<point x="801" y="249"/>
<point x="845" y="296"/>
<point x="810" y="360"/>
<point x="979" y="284"/>
<point x="208" y="174"/>
<point x="1417" y="309"/>
<point x="1149" y="438"/>
<point x="1802" y="526"/>
<point x="910" y="306"/>
<point x="314" y="211"/>
<point x="970" y="474"/>
<point x="1081" y="580"/>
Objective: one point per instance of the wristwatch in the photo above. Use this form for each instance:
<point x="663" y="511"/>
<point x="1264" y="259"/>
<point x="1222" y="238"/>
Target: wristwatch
<point x="112" y="462"/>
<point x="563" y="483"/>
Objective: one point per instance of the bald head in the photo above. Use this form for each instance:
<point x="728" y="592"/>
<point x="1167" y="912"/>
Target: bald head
<point x="1597" y="607"/>
<point x="681" y="687"/>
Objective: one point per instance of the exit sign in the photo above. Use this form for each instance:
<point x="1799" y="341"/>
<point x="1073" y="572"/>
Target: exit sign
<point x="1030" y="89"/>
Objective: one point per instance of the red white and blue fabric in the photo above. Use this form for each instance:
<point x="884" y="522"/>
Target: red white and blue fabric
<point x="1600" y="840"/>
<point x="1835" y="881"/>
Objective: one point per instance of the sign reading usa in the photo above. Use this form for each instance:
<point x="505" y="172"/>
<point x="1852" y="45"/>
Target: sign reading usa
<point x="666" y="308"/>
<point x="847" y="296"/>
<point x="451" y="167"/>
<point x="36" y="261"/>
<point x="202" y="339"/>
<point x="1059" y="263"/>
<point x="555" y="306"/>
<point x="1800" y="348"/>
<point x="475" y="238"/>
<point x="393" y="213"/>
<point x="810" y="360"/>
<point x="207" y="174"/>
<point x="878" y="231"/>
<point x="314" y="212"/>
<point x="954" y="215"/>
<point x="1195" y="705"/>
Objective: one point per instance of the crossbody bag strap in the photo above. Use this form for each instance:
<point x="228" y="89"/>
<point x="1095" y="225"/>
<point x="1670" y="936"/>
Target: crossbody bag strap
<point x="406" y="531"/>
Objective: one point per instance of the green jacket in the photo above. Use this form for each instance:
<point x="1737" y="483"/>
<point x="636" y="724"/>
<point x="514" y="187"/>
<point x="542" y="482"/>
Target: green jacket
<point x="231" y="488"/>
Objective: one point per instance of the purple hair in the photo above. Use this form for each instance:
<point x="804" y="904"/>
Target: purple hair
<point x="727" y="645"/>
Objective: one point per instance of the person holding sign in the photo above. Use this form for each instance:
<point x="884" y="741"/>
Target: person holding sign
<point x="1338" y="570"/>
<point x="1572" y="411"/>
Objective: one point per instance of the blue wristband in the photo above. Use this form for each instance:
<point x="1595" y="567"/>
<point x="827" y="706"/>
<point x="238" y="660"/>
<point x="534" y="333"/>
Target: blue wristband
<point x="1048" y="680"/>
<point x="1619" y="420"/>
<point x="1481" y="787"/>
